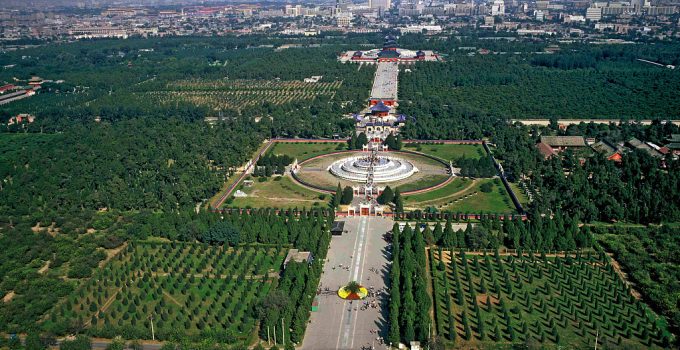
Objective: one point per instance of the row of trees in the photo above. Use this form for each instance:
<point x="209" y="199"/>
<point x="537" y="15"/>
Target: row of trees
<point x="284" y="313"/>
<point x="276" y="160"/>
<point x="388" y="196"/>
<point x="394" y="143"/>
<point x="357" y="141"/>
<point x="270" y="164"/>
<point x="509" y="86"/>
<point x="409" y="300"/>
<point x="649" y="256"/>
<point x="476" y="167"/>
<point x="543" y="234"/>
<point x="342" y="196"/>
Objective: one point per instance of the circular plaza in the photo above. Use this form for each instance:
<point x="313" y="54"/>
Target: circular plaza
<point x="383" y="169"/>
<point x="410" y="171"/>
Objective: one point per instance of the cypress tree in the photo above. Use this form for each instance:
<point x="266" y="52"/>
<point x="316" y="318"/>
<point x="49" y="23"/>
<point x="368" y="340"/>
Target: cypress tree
<point x="361" y="141"/>
<point x="398" y="201"/>
<point x="427" y="235"/>
<point x="337" y="196"/>
<point x="347" y="195"/>
<point x="452" y="327"/>
<point x="387" y="196"/>
<point x="437" y="233"/>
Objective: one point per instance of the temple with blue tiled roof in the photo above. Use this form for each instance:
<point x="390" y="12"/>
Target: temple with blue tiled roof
<point x="380" y="109"/>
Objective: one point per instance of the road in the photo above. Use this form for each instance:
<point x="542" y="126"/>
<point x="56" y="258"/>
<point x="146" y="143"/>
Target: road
<point x="364" y="256"/>
<point x="98" y="343"/>
<point x="546" y="122"/>
<point x="102" y="344"/>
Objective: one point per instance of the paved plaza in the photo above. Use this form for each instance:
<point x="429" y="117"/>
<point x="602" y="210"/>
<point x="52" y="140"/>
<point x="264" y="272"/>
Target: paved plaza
<point x="361" y="254"/>
<point x="385" y="81"/>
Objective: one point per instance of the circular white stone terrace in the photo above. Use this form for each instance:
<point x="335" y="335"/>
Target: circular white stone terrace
<point x="386" y="169"/>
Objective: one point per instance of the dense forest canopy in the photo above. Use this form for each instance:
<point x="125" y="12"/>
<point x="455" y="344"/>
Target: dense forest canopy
<point x="109" y="79"/>
<point x="133" y="164"/>
<point x="542" y="86"/>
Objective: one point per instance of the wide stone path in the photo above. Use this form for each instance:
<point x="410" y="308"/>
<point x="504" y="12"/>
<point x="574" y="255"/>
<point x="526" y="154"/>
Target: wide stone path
<point x="362" y="254"/>
<point x="385" y="81"/>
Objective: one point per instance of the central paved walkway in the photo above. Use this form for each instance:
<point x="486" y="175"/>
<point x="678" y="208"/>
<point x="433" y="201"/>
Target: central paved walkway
<point x="362" y="254"/>
<point x="385" y="81"/>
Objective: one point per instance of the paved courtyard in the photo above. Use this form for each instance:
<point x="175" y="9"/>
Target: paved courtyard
<point x="361" y="254"/>
<point x="385" y="81"/>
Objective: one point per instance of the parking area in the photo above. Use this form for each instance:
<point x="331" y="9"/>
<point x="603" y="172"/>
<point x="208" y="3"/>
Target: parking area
<point x="360" y="254"/>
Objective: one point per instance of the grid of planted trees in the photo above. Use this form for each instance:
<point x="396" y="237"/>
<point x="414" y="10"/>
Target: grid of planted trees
<point x="189" y="289"/>
<point x="543" y="300"/>
<point x="237" y="94"/>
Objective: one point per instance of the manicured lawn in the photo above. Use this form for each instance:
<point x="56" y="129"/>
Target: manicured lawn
<point x="521" y="196"/>
<point x="303" y="151"/>
<point x="465" y="196"/>
<point x="283" y="193"/>
<point x="496" y="201"/>
<point x="450" y="152"/>
<point x="423" y="182"/>
<point x="492" y="301"/>
<point x="186" y="286"/>
<point x="452" y="187"/>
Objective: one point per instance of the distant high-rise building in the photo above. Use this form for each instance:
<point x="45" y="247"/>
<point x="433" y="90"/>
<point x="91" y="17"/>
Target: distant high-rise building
<point x="637" y="5"/>
<point x="380" y="4"/>
<point x="341" y="5"/>
<point x="498" y="8"/>
<point x="594" y="14"/>
<point x="293" y="10"/>
<point x="539" y="15"/>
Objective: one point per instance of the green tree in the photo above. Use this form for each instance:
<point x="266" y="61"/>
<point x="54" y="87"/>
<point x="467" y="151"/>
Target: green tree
<point x="398" y="201"/>
<point x="81" y="342"/>
<point x="33" y="341"/>
<point x="353" y="287"/>
<point x="399" y="144"/>
<point x="427" y="235"/>
<point x="222" y="232"/>
<point x="337" y="197"/>
<point x="386" y="196"/>
<point x="361" y="141"/>
<point x="347" y="195"/>
<point x="352" y="142"/>
<point x="391" y="142"/>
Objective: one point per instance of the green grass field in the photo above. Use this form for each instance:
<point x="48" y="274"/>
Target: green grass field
<point x="489" y="301"/>
<point x="423" y="182"/>
<point x="184" y="286"/>
<point x="283" y="193"/>
<point x="449" y="152"/>
<point x="496" y="201"/>
<point x="465" y="196"/>
<point x="521" y="196"/>
<point x="303" y="151"/>
<point x="457" y="184"/>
